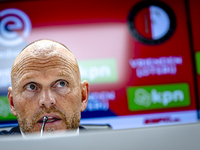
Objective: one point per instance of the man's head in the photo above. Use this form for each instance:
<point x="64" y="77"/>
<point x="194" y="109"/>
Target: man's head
<point x="46" y="82"/>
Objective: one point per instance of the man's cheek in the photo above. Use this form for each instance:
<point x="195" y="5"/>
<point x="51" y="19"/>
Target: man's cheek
<point x="25" y="108"/>
<point x="28" y="95"/>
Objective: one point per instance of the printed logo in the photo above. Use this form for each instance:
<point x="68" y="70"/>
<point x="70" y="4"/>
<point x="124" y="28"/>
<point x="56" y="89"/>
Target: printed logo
<point x="142" y="97"/>
<point x="156" y="66"/>
<point x="161" y="120"/>
<point x="98" y="71"/>
<point x="158" y="96"/>
<point x="5" y="113"/>
<point x="151" y="22"/>
<point x="99" y="101"/>
<point x="15" y="25"/>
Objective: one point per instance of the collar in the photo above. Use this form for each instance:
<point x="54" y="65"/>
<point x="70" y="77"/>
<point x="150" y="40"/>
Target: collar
<point x="68" y="133"/>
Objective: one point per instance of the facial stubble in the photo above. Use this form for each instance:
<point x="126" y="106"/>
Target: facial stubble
<point x="27" y="125"/>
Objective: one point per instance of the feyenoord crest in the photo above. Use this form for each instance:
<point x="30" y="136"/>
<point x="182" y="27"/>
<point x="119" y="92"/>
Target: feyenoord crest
<point x="151" y="22"/>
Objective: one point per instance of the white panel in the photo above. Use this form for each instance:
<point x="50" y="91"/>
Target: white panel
<point x="160" y="22"/>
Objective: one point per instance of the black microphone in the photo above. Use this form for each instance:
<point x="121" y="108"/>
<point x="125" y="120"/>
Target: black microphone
<point x="44" y="120"/>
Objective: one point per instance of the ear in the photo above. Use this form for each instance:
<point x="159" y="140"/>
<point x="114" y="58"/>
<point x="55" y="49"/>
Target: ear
<point x="85" y="94"/>
<point x="10" y="99"/>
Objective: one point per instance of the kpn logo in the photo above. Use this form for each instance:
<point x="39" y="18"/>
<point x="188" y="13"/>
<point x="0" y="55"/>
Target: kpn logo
<point x="158" y="96"/>
<point x="5" y="113"/>
<point x="99" y="71"/>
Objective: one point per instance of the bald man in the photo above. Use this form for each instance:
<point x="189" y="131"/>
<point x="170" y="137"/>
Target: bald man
<point x="46" y="82"/>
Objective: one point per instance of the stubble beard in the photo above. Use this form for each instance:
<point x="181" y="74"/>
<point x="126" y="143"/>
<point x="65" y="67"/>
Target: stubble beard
<point x="27" y="125"/>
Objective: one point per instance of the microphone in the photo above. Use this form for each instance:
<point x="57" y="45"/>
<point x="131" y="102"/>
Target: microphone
<point x="44" y="120"/>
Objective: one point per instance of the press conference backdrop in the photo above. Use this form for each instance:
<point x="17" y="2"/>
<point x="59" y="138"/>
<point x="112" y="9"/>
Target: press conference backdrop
<point x="141" y="58"/>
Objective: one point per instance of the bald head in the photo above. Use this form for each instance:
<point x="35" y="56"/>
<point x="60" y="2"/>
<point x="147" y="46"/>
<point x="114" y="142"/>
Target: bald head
<point x="43" y="54"/>
<point x="44" y="47"/>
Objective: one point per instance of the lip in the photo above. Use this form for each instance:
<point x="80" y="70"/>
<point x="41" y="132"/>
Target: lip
<point x="52" y="118"/>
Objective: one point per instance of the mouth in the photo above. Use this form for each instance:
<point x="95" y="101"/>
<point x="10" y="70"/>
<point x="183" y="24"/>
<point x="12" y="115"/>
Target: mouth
<point x="50" y="120"/>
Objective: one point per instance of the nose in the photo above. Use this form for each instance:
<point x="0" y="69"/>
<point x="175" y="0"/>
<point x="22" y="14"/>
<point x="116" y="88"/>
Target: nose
<point x="47" y="99"/>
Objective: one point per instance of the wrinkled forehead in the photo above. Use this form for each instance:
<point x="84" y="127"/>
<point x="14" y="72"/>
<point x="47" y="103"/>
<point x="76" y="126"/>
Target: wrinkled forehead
<point x="44" y="50"/>
<point x="44" y="55"/>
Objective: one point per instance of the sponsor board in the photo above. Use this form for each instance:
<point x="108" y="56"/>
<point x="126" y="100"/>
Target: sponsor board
<point x="15" y="28"/>
<point x="145" y="120"/>
<point x="158" y="96"/>
<point x="156" y="66"/>
<point x="99" y="71"/>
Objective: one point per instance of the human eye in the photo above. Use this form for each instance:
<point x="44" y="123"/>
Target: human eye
<point x="31" y="87"/>
<point x="60" y="83"/>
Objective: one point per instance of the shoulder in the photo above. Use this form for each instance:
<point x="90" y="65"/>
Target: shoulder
<point x="13" y="131"/>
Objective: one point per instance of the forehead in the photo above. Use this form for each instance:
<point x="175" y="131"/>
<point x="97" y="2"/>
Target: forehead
<point x="46" y="77"/>
<point x="41" y="58"/>
<point x="44" y="50"/>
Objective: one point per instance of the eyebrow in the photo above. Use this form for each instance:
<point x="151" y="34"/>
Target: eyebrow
<point x="25" y="78"/>
<point x="28" y="77"/>
<point x="63" y="74"/>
